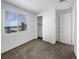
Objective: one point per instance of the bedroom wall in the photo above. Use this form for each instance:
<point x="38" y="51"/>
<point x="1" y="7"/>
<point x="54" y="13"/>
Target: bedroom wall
<point x="74" y="14"/>
<point x="57" y="26"/>
<point x="9" y="41"/>
<point x="49" y="26"/>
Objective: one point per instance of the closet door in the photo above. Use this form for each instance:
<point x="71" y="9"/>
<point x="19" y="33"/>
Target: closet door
<point x="65" y="28"/>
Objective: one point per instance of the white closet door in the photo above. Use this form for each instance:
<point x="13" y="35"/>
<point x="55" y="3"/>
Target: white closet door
<point x="65" y="28"/>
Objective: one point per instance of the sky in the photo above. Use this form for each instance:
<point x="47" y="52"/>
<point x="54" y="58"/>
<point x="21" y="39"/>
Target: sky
<point x="13" y="19"/>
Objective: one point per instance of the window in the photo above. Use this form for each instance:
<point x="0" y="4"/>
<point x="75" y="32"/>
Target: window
<point x="14" y="22"/>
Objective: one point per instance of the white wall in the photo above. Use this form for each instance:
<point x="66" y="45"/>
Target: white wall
<point x="49" y="26"/>
<point x="74" y="21"/>
<point x="57" y="26"/>
<point x="9" y="41"/>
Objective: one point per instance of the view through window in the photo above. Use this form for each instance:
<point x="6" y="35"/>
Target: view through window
<point x="14" y="22"/>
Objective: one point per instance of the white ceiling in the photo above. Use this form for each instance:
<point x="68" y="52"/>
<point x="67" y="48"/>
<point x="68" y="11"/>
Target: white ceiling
<point x="41" y="5"/>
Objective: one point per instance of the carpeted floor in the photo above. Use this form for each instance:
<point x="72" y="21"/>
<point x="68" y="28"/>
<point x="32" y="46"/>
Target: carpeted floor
<point x="38" y="49"/>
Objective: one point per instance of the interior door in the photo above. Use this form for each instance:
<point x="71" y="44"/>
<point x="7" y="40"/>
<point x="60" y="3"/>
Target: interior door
<point x="65" y="28"/>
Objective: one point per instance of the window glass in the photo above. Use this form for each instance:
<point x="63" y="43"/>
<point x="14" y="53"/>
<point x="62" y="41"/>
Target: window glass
<point x="15" y="22"/>
<point x="22" y="22"/>
<point x="10" y="22"/>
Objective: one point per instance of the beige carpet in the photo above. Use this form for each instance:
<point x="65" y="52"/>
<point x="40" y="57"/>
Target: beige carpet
<point x="38" y="49"/>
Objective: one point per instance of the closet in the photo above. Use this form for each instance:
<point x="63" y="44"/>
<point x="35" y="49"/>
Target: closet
<point x="39" y="27"/>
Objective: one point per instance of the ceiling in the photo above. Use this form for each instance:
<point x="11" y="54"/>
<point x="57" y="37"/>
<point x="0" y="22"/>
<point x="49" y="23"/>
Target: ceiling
<point x="38" y="6"/>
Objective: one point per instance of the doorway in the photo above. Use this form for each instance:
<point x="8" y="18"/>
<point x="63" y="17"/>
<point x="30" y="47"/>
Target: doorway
<point x="39" y="27"/>
<point x="66" y="28"/>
